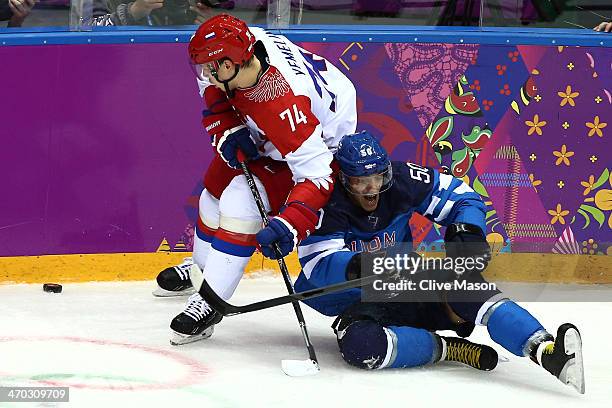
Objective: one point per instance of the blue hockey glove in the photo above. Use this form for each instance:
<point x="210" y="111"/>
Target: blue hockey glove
<point x="278" y="231"/>
<point x="234" y="139"/>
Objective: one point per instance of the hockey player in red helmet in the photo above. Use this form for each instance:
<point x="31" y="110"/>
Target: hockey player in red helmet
<point x="286" y="109"/>
<point x="221" y="38"/>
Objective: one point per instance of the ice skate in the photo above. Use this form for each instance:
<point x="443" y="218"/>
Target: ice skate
<point x="196" y="322"/>
<point x="475" y="355"/>
<point x="563" y="358"/>
<point x="174" y="281"/>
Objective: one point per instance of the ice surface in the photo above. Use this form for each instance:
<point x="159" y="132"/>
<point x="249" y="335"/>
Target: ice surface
<point x="109" y="343"/>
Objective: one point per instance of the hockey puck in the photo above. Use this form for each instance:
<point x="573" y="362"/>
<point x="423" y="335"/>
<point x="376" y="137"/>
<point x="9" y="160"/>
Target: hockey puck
<point x="52" y="288"/>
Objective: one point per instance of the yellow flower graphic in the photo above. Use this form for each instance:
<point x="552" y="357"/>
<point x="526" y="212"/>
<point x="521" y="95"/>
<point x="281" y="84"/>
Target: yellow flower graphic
<point x="534" y="182"/>
<point x="596" y="127"/>
<point x="563" y="156"/>
<point x="603" y="201"/>
<point x="535" y="125"/>
<point x="568" y="96"/>
<point x="588" y="185"/>
<point x="558" y="215"/>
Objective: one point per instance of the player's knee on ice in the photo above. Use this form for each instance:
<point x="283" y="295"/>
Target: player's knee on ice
<point x="363" y="344"/>
<point x="368" y="345"/>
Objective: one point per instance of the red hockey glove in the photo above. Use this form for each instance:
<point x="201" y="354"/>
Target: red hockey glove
<point x="219" y="114"/>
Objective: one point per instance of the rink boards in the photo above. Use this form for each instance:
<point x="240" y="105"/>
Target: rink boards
<point x="103" y="152"/>
<point x="515" y="267"/>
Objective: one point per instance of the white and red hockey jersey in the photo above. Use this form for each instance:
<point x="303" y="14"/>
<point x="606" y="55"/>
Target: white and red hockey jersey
<point x="297" y="112"/>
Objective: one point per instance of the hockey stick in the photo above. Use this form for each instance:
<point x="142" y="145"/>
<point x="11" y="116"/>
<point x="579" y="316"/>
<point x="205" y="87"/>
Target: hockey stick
<point x="227" y="309"/>
<point x="290" y="367"/>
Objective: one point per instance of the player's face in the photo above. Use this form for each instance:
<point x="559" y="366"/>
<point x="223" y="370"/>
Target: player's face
<point x="365" y="190"/>
<point x="216" y="72"/>
<point x="225" y="70"/>
<point x="212" y="69"/>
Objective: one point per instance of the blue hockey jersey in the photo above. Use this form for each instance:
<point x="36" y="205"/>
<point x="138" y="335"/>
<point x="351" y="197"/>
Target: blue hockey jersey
<point x="345" y="229"/>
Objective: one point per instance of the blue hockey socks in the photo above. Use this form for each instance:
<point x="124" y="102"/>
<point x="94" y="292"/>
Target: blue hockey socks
<point x="415" y="347"/>
<point x="511" y="326"/>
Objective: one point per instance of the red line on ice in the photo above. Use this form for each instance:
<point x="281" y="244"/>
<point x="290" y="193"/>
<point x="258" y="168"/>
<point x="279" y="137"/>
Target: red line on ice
<point x="195" y="373"/>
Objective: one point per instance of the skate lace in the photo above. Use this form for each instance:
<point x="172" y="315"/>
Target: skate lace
<point x="549" y="348"/>
<point x="197" y="308"/>
<point x="464" y="353"/>
<point x="183" y="269"/>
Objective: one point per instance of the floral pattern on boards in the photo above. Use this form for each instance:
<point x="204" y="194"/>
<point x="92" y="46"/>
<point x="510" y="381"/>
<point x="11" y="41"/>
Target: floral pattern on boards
<point x="527" y="127"/>
<point x="596" y="208"/>
<point x="564" y="137"/>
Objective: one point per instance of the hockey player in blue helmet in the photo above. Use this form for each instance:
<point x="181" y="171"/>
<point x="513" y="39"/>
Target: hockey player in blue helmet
<point x="369" y="218"/>
<point x="365" y="169"/>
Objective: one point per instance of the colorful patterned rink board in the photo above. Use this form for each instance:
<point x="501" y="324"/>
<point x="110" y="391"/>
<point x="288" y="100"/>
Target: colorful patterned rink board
<point x="116" y="151"/>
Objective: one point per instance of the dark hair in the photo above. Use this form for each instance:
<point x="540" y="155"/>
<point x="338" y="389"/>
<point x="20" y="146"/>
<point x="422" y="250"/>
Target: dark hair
<point x="246" y="64"/>
<point x="249" y="62"/>
<point x="5" y="12"/>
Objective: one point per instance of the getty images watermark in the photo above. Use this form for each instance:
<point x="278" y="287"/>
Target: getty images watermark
<point x="405" y="272"/>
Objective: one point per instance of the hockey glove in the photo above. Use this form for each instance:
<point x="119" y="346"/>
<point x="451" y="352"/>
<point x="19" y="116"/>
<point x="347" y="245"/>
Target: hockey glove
<point x="467" y="241"/>
<point x="278" y="232"/>
<point x="219" y="115"/>
<point x="294" y="223"/>
<point x="233" y="139"/>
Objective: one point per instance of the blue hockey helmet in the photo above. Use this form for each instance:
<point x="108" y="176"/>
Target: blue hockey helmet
<point x="360" y="157"/>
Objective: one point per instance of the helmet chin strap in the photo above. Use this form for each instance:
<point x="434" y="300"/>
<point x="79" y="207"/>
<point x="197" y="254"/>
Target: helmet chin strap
<point x="228" y="91"/>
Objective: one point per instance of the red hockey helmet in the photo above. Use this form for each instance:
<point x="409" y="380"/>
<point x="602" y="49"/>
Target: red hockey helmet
<point x="222" y="36"/>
